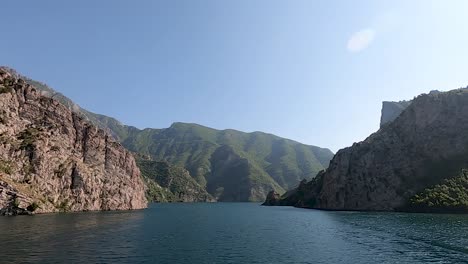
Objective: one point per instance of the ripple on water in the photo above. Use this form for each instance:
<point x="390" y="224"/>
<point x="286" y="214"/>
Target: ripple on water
<point x="234" y="233"/>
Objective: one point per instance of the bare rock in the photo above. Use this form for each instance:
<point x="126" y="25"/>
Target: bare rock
<point x="272" y="199"/>
<point x="424" y="145"/>
<point x="56" y="160"/>
<point x="391" y="110"/>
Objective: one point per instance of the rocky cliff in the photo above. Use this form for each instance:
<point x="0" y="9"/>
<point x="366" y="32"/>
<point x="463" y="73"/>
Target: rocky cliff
<point x="423" y="147"/>
<point x="51" y="159"/>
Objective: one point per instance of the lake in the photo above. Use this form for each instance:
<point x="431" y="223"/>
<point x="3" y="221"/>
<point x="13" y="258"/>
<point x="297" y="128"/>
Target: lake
<point x="233" y="233"/>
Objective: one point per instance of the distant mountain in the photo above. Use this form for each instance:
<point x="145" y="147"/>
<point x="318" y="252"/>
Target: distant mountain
<point x="231" y="165"/>
<point x="391" y="110"/>
<point x="414" y="163"/>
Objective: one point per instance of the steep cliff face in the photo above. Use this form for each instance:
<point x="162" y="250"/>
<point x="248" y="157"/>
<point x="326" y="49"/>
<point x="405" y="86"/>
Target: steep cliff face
<point x="426" y="144"/>
<point x="52" y="160"/>
<point x="391" y="110"/>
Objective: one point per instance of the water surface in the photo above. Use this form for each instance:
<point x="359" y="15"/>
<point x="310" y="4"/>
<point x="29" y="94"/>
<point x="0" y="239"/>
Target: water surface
<point x="233" y="233"/>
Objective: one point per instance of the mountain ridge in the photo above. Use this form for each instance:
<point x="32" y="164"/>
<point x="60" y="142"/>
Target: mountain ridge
<point x="265" y="161"/>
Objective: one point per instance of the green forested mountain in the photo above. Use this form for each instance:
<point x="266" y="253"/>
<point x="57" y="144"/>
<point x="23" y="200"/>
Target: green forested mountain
<point x="231" y="165"/>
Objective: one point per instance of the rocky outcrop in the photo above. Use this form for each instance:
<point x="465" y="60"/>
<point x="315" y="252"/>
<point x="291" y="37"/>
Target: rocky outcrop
<point x="51" y="159"/>
<point x="426" y="144"/>
<point x="273" y="198"/>
<point x="12" y="202"/>
<point x="391" y="110"/>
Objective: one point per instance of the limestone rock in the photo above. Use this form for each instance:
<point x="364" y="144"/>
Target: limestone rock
<point x="426" y="144"/>
<point x="391" y="110"/>
<point x="51" y="157"/>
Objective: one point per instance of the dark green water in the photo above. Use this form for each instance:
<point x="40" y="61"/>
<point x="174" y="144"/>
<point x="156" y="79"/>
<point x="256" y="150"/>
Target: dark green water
<point x="233" y="233"/>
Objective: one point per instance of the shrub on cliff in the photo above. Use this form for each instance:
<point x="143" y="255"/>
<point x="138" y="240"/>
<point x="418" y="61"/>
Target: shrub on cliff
<point x="451" y="195"/>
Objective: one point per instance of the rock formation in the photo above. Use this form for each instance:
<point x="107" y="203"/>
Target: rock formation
<point x="273" y="198"/>
<point x="426" y="144"/>
<point x="391" y="110"/>
<point x="51" y="159"/>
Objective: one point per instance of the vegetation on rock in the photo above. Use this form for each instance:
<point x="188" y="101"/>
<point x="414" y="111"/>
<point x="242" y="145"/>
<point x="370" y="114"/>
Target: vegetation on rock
<point x="5" y="89"/>
<point x="169" y="183"/>
<point x="451" y="195"/>
<point x="28" y="138"/>
<point x="33" y="207"/>
<point x="6" y="167"/>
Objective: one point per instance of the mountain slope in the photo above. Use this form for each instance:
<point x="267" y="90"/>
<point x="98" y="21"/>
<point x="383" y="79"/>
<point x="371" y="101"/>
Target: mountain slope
<point x="170" y="183"/>
<point x="52" y="160"/>
<point x="231" y="165"/>
<point x="425" y="145"/>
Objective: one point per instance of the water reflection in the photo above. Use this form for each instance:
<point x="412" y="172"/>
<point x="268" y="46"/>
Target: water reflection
<point x="43" y="238"/>
<point x="445" y="236"/>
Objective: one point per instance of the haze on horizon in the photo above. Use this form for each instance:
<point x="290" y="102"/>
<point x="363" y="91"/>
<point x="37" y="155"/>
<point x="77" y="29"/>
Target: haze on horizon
<point x="312" y="71"/>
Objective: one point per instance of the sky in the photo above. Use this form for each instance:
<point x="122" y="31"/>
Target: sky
<point x="312" y="71"/>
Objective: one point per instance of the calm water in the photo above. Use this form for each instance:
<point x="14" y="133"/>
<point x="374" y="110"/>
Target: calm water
<point x="234" y="233"/>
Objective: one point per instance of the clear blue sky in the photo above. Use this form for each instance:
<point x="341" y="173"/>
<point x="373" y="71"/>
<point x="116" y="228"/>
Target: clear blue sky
<point x="312" y="71"/>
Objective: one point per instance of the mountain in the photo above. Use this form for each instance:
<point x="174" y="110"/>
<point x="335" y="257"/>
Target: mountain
<point x="231" y="165"/>
<point x="413" y="163"/>
<point x="51" y="159"/>
<point x="271" y="162"/>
